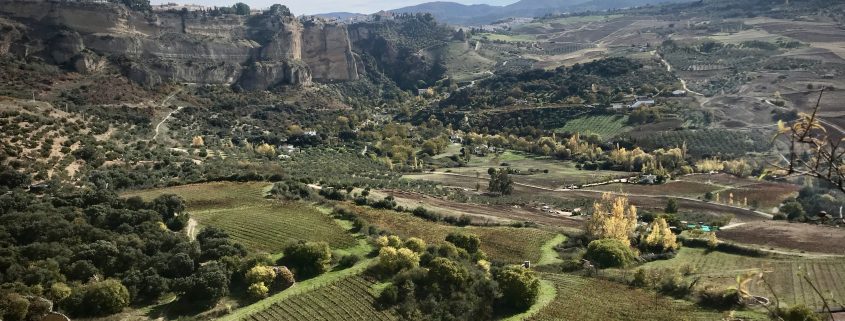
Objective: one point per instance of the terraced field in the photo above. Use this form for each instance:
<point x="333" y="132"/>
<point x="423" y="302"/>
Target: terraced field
<point x="606" y="126"/>
<point x="579" y="298"/>
<point x="785" y="274"/>
<point x="349" y="298"/>
<point x="505" y="244"/>
<point x="259" y="224"/>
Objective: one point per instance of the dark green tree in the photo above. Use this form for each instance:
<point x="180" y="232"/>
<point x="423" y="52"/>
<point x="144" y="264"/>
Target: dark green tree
<point x="307" y="259"/>
<point x="671" y="206"/>
<point x="208" y="285"/>
<point x="500" y="182"/>
<point x="241" y="9"/>
<point x="793" y="210"/>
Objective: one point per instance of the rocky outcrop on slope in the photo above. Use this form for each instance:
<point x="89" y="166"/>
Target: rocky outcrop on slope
<point x="256" y="52"/>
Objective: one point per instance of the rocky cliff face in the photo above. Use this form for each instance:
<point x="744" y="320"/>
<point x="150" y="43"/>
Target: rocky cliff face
<point x="256" y="52"/>
<point x="327" y="49"/>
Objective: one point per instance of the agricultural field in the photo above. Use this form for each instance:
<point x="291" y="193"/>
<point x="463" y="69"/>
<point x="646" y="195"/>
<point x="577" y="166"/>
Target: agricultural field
<point x="541" y="171"/>
<point x="349" y="298"/>
<point x="784" y="273"/>
<point x="506" y="38"/>
<point x="503" y="244"/>
<point x="708" y="142"/>
<point x="783" y="235"/>
<point x="259" y="224"/>
<point x="580" y="298"/>
<point x="606" y="126"/>
<point x="672" y="188"/>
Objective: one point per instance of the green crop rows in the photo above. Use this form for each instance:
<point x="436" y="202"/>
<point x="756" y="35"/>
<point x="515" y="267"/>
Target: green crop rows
<point x="580" y="298"/>
<point x="346" y="299"/>
<point x="785" y="274"/>
<point x="259" y="224"/>
<point x="606" y="126"/>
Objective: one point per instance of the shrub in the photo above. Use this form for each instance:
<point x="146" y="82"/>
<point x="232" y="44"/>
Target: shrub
<point x="257" y="291"/>
<point x="348" y="260"/>
<point x="671" y="206"/>
<point x="799" y="313"/>
<point x="284" y="279"/>
<point x="15" y="307"/>
<point x="415" y="244"/>
<point x="307" y="259"/>
<point x="608" y="253"/>
<point x="520" y="287"/>
<point x="793" y="210"/>
<point x="720" y="299"/>
<point x="392" y="260"/>
<point x="470" y="243"/>
<point x="59" y="291"/>
<point x="712" y="241"/>
<point x="640" y="278"/>
<point x="260" y="274"/>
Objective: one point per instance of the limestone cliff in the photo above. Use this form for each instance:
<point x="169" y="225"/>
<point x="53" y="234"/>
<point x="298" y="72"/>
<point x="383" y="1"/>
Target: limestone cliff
<point x="327" y="49"/>
<point x="256" y="52"/>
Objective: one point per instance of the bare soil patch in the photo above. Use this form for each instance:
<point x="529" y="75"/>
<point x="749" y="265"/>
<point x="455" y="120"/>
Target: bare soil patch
<point x="479" y="211"/>
<point x="795" y="236"/>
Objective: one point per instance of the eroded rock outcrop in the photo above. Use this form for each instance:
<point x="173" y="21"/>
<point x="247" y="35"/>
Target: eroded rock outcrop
<point x="256" y="52"/>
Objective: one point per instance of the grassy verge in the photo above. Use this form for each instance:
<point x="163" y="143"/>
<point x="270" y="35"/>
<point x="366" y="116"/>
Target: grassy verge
<point x="548" y="255"/>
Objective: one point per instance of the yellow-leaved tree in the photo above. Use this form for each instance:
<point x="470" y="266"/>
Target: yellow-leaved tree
<point x="266" y="150"/>
<point x="613" y="218"/>
<point x="197" y="141"/>
<point x="660" y="237"/>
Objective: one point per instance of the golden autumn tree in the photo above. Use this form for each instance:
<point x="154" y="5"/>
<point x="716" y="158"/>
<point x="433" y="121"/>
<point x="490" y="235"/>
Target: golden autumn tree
<point x="266" y="150"/>
<point x="660" y="237"/>
<point x="197" y="141"/>
<point x="613" y="218"/>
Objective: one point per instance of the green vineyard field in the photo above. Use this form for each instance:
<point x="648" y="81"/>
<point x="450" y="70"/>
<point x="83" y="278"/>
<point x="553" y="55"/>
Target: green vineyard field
<point x="606" y="126"/>
<point x="785" y="274"/>
<point x="579" y="298"/>
<point x="259" y="224"/>
<point x="345" y="299"/>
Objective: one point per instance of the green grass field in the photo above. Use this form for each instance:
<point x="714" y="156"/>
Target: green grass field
<point x="579" y="298"/>
<point x="504" y="244"/>
<point x="784" y="273"/>
<point x="606" y="126"/>
<point x="259" y="224"/>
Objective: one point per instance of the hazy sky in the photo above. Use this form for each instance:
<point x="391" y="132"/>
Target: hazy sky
<point x="322" y="6"/>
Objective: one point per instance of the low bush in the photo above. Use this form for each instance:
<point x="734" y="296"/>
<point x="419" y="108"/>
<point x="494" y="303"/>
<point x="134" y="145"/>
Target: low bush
<point x="608" y="253"/>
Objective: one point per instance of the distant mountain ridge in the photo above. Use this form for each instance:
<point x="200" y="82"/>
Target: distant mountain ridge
<point x="461" y="14"/>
